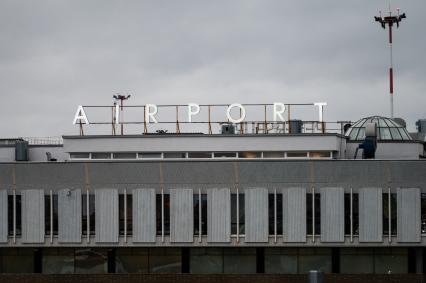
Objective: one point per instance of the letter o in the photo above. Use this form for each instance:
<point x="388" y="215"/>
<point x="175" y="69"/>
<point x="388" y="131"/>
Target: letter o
<point x="243" y="113"/>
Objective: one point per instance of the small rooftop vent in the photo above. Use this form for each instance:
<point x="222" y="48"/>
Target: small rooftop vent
<point x="228" y="129"/>
<point x="421" y="126"/>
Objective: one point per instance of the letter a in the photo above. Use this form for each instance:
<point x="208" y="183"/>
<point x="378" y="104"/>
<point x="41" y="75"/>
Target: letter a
<point x="80" y="116"/>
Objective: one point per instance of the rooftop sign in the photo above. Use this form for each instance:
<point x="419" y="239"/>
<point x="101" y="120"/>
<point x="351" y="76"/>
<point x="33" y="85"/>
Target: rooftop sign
<point x="235" y="113"/>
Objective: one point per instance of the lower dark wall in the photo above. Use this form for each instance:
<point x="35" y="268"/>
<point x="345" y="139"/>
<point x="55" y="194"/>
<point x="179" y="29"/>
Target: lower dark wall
<point x="186" y="278"/>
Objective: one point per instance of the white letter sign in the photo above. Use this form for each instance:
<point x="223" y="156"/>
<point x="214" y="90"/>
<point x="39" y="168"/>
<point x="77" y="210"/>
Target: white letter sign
<point x="80" y="116"/>
<point x="279" y="109"/>
<point x="242" y="116"/>
<point x="192" y="112"/>
<point x="150" y="111"/>
<point x="320" y="109"/>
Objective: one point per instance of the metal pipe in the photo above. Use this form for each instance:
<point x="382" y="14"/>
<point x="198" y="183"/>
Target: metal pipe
<point x="125" y="215"/>
<point x="351" y="217"/>
<point x="275" y="215"/>
<point x="162" y="215"/>
<point x="51" y="216"/>
<point x="88" y="215"/>
<point x="199" y="213"/>
<point x="238" y="215"/>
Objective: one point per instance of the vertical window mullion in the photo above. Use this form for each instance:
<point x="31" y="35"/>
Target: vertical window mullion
<point x="88" y="216"/>
<point x="125" y="215"/>
<point x="275" y="215"/>
<point x="51" y="216"/>
<point x="351" y="216"/>
<point x="200" y="216"/>
<point x="162" y="215"/>
<point x="238" y="215"/>
<point x="14" y="216"/>
<point x="389" y="215"/>
<point x="313" y="215"/>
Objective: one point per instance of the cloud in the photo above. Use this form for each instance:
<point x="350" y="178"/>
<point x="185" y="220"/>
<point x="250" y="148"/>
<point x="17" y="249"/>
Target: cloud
<point x="55" y="55"/>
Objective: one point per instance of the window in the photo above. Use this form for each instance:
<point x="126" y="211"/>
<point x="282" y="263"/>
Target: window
<point x="297" y="154"/>
<point x="17" y="260"/>
<point x="124" y="155"/>
<point x="271" y="154"/>
<point x="393" y="214"/>
<point x="79" y="155"/>
<point x="310" y="215"/>
<point x="58" y="261"/>
<point x="320" y="154"/>
<point x="125" y="215"/>
<point x="279" y="214"/>
<point x="150" y="155"/>
<point x="174" y="155"/>
<point x="101" y="155"/>
<point x="91" y="261"/>
<point x="239" y="260"/>
<point x="423" y="205"/>
<point x="166" y="214"/>
<point x="47" y="217"/>
<point x="10" y="207"/>
<point x="225" y="155"/>
<point x="248" y="154"/>
<point x="314" y="259"/>
<point x="91" y="217"/>
<point x="206" y="260"/>
<point x="165" y="260"/>
<point x="281" y="260"/>
<point x="199" y="155"/>
<point x="355" y="214"/>
<point x="131" y="260"/>
<point x="390" y="260"/>
<point x="237" y="222"/>
<point x="197" y="214"/>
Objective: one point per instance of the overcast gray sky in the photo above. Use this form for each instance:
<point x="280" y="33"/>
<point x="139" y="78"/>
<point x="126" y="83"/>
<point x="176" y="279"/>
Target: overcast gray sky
<point x="55" y="55"/>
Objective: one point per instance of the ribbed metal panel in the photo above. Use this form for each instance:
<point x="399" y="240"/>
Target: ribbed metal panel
<point x="219" y="215"/>
<point x="3" y="216"/>
<point x="32" y="216"/>
<point x="332" y="214"/>
<point x="106" y="209"/>
<point x="181" y="215"/>
<point x="294" y="215"/>
<point x="144" y="225"/>
<point x="256" y="212"/>
<point x="409" y="215"/>
<point x="69" y="216"/>
<point x="370" y="215"/>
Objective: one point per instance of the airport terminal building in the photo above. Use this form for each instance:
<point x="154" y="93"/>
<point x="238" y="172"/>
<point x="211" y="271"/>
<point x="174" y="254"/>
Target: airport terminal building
<point x="219" y="203"/>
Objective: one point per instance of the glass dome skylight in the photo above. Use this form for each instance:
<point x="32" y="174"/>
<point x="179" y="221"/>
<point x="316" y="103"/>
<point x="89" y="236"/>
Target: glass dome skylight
<point x="387" y="129"/>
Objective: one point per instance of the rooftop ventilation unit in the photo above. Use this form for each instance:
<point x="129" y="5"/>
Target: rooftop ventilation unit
<point x="369" y="145"/>
<point x="21" y="150"/>
<point x="228" y="129"/>
<point x="421" y="126"/>
<point x="295" y="126"/>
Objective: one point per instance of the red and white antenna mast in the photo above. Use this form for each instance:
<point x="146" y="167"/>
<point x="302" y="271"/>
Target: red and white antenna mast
<point x="390" y="21"/>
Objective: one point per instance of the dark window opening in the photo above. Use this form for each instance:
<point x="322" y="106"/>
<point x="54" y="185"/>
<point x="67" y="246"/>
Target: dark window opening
<point x="241" y="214"/>
<point x="166" y="214"/>
<point x="423" y="205"/>
<point x="271" y="214"/>
<point x="197" y="214"/>
<point x="393" y="214"/>
<point x="309" y="214"/>
<point x="18" y="215"/>
<point x="47" y="211"/>
<point x="85" y="217"/>
<point x="355" y="214"/>
<point x="128" y="213"/>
